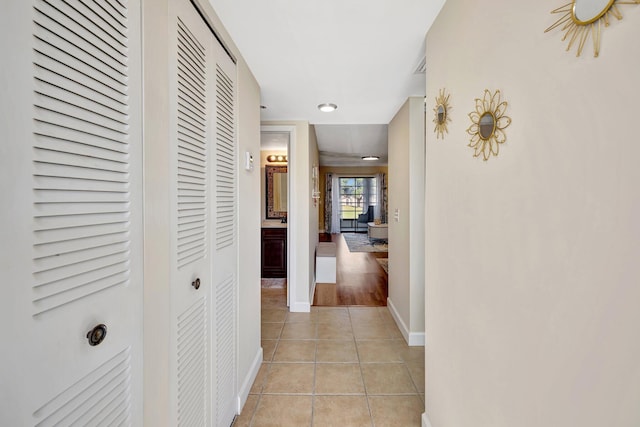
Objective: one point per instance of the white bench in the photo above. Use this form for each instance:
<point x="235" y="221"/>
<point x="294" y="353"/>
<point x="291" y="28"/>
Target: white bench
<point x="326" y="262"/>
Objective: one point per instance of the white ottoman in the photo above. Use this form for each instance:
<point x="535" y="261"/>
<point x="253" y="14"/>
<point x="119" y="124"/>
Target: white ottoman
<point x="326" y="262"/>
<point x="378" y="231"/>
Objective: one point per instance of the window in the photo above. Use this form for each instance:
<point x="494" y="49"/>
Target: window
<point x="356" y="195"/>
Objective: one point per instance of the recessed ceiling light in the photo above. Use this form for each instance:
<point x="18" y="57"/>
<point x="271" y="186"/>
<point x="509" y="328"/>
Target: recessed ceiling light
<point x="370" y="157"/>
<point x="327" y="108"/>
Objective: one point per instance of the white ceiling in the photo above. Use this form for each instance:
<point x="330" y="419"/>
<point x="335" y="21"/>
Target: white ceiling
<point x="359" y="54"/>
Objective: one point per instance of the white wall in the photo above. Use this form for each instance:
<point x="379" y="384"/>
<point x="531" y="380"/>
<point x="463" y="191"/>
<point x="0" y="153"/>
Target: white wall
<point x="406" y="243"/>
<point x="249" y="223"/>
<point x="532" y="272"/>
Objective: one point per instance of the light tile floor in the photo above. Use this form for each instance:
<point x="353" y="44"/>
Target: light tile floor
<point x="335" y="366"/>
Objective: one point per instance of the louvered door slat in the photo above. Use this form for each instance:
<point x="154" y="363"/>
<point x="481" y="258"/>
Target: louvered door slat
<point x="52" y="93"/>
<point x="84" y="220"/>
<point x="225" y="345"/>
<point x="192" y="152"/>
<point x="87" y="395"/>
<point x="86" y="19"/>
<point x="57" y="72"/>
<point x="61" y="19"/>
<point x="225" y="162"/>
<point x="192" y="351"/>
<point x="81" y="153"/>
<point x="77" y="171"/>
<point x="86" y="147"/>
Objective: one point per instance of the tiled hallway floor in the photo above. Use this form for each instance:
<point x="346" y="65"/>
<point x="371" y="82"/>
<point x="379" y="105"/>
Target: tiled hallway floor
<point x="335" y="366"/>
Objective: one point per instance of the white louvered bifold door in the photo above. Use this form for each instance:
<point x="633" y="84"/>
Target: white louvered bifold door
<point x="70" y="216"/>
<point x="192" y="135"/>
<point x="225" y="261"/>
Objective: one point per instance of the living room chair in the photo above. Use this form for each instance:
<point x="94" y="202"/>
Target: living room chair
<point x="365" y="218"/>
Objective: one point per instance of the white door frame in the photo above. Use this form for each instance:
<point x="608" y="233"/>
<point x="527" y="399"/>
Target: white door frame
<point x="293" y="194"/>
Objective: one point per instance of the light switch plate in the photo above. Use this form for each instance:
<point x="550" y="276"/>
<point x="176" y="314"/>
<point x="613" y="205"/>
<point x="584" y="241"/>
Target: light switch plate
<point x="248" y="161"/>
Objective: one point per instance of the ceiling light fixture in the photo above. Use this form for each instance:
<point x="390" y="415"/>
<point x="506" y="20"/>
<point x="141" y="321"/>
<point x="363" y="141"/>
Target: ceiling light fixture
<point x="370" y="157"/>
<point x="327" y="108"/>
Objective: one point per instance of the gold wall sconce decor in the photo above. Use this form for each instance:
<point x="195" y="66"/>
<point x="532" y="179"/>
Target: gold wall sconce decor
<point x="277" y="158"/>
<point x="315" y="182"/>
<point x="580" y="18"/>
<point x="488" y="122"/>
<point x="441" y="114"/>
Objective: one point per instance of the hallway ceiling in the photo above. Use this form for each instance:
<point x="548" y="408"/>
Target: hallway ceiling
<point x="359" y="54"/>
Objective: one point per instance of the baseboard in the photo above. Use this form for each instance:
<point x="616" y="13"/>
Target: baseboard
<point x="416" y="339"/>
<point x="243" y="393"/>
<point x="313" y="292"/>
<point x="425" y="420"/>
<point x="300" y="307"/>
<point x="413" y="339"/>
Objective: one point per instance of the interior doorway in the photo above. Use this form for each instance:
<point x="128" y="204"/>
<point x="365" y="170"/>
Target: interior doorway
<point x="277" y="206"/>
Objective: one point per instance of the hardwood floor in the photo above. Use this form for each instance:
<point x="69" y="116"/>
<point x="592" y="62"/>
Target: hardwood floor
<point x="360" y="280"/>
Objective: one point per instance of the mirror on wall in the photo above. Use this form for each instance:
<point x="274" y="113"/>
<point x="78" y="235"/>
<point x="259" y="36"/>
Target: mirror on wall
<point x="581" y="19"/>
<point x="587" y="11"/>
<point x="487" y="125"/>
<point x="441" y="114"/>
<point x="277" y="197"/>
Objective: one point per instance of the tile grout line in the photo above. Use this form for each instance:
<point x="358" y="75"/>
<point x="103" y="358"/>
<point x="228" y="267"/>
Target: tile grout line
<point x="364" y="384"/>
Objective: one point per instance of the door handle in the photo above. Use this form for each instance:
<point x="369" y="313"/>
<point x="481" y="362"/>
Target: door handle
<point x="97" y="335"/>
<point x="196" y="283"/>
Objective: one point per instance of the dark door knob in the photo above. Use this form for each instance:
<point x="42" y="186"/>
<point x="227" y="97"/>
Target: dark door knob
<point x="97" y="334"/>
<point x="196" y="283"/>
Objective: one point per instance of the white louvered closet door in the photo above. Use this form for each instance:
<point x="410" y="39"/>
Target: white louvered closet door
<point x="225" y="260"/>
<point x="70" y="216"/>
<point x="192" y="136"/>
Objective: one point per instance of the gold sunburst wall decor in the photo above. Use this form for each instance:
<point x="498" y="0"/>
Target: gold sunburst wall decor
<point x="441" y="114"/>
<point x="580" y="18"/>
<point x="488" y="122"/>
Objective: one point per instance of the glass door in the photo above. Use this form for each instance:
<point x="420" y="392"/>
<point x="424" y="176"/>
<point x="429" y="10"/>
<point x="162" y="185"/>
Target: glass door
<point x="358" y="198"/>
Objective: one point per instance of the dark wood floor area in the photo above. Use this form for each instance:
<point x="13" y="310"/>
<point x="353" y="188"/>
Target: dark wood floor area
<point x="360" y="280"/>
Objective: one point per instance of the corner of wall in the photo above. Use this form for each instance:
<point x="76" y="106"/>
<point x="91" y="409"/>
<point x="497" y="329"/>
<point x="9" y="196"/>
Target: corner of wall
<point x="413" y="339"/>
<point x="243" y="391"/>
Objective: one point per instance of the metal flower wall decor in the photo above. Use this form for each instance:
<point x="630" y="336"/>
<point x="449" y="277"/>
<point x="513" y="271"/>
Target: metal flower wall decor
<point x="582" y="18"/>
<point x="488" y="122"/>
<point x="441" y="114"/>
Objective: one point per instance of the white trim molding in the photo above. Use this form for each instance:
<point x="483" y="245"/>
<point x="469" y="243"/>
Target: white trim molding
<point x="300" y="307"/>
<point x="413" y="339"/>
<point x="312" y="293"/>
<point x="292" y="220"/>
<point x="243" y="393"/>
<point x="425" y="420"/>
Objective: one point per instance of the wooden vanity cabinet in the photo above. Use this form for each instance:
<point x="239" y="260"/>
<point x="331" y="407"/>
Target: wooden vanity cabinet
<point x="274" y="252"/>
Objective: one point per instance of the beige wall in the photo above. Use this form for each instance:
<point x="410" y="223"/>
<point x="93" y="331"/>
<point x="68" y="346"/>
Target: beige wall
<point x="406" y="242"/>
<point x="345" y="170"/>
<point x="249" y="223"/>
<point x="532" y="273"/>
